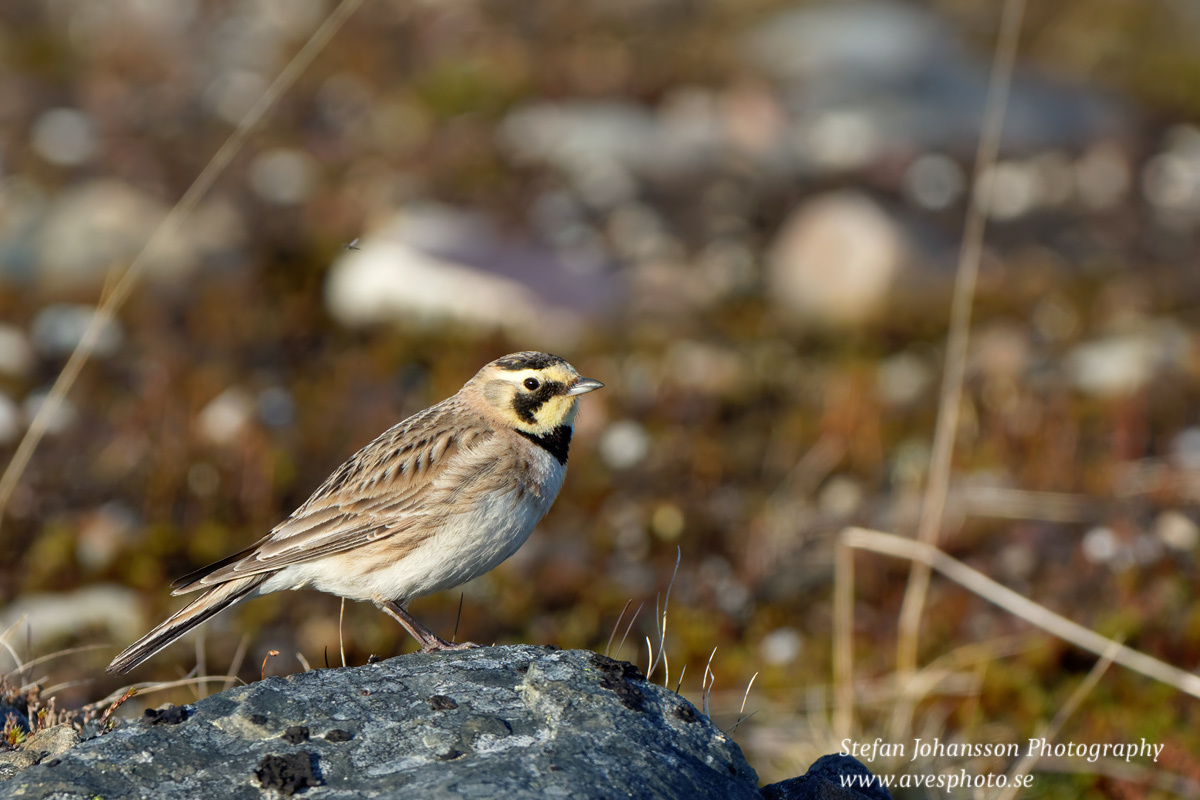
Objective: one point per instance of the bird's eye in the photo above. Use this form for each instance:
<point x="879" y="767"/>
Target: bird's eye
<point x="531" y="384"/>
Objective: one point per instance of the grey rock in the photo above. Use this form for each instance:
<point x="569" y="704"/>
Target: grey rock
<point x="91" y="226"/>
<point x="44" y="745"/>
<point x="836" y="259"/>
<point x="430" y="265"/>
<point x="878" y="39"/>
<point x="1125" y="362"/>
<point x="843" y="260"/>
<point x="876" y="77"/>
<point x="51" y="742"/>
<point x="514" y="722"/>
<point x="581" y="138"/>
<point x="51" y="617"/>
<point x="828" y="779"/>
<point x="13" y="762"/>
<point x="59" y="328"/>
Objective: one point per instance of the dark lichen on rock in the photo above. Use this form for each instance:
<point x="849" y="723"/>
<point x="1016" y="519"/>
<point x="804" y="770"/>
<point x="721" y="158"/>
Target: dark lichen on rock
<point x="440" y="702"/>
<point x="621" y="678"/>
<point x="287" y="774"/>
<point x="171" y="715"/>
<point x="296" y="734"/>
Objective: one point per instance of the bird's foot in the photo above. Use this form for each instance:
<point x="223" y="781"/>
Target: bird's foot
<point x="430" y="642"/>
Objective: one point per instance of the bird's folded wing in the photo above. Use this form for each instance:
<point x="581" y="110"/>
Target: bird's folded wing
<point x="390" y="488"/>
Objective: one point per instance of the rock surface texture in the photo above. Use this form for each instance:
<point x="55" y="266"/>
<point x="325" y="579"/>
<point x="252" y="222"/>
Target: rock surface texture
<point x="495" y="722"/>
<point x="513" y="722"/>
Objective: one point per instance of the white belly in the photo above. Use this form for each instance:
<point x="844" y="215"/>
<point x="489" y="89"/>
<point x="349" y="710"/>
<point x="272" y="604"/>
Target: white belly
<point x="465" y="548"/>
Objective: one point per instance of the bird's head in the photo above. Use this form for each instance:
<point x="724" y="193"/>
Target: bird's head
<point x="533" y="392"/>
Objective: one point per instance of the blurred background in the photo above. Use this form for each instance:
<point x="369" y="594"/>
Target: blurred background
<point x="743" y="216"/>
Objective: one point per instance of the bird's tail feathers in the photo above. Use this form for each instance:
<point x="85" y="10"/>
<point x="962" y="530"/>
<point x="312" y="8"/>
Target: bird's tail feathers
<point x="204" y="607"/>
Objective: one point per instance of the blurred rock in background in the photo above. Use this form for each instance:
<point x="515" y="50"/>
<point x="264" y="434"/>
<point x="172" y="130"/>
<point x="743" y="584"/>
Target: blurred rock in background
<point x="432" y="266"/>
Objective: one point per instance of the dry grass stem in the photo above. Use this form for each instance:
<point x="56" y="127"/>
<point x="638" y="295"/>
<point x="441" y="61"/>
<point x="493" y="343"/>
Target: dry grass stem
<point x="617" y="625"/>
<point x="457" y="617"/>
<point x="4" y="637"/>
<point x="238" y="657"/>
<point x="201" y="690"/>
<point x="628" y="627"/>
<point x="160" y="686"/>
<point x="1026" y="763"/>
<point x="706" y="683"/>
<point x="50" y="691"/>
<point x="660" y="621"/>
<point x="812" y="468"/>
<point x="341" y="640"/>
<point x="843" y="640"/>
<point x="945" y="674"/>
<point x="28" y="665"/>
<point x="1021" y="606"/>
<point x="742" y="708"/>
<point x="1004" y="503"/>
<point x="956" y="345"/>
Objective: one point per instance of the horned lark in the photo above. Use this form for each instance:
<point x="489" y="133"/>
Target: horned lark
<point x="439" y="499"/>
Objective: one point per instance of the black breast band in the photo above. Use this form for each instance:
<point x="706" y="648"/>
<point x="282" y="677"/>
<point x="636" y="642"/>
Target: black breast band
<point x="556" y="443"/>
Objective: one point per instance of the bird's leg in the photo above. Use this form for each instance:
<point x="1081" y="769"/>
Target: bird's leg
<point x="429" y="640"/>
